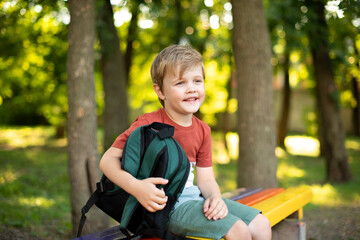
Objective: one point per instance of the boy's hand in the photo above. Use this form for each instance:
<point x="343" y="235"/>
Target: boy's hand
<point x="215" y="208"/>
<point x="149" y="196"/>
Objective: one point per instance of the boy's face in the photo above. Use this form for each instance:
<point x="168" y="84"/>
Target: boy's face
<point x="183" y="95"/>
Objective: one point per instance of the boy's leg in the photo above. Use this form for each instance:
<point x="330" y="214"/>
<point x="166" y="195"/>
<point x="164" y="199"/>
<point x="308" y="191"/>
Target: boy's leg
<point x="260" y="227"/>
<point x="238" y="231"/>
<point x="258" y="224"/>
<point x="189" y="220"/>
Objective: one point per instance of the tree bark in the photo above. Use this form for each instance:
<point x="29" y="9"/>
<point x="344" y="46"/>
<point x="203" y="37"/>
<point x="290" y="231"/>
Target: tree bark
<point x="284" y="118"/>
<point x="114" y="76"/>
<point x="355" y="80"/>
<point x="179" y="23"/>
<point x="257" y="162"/>
<point x="332" y="134"/>
<point x="132" y="35"/>
<point x="82" y="120"/>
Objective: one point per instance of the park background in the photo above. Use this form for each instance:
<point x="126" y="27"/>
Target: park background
<point x="35" y="98"/>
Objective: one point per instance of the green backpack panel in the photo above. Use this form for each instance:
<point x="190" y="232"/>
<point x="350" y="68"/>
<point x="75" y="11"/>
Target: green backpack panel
<point x="150" y="151"/>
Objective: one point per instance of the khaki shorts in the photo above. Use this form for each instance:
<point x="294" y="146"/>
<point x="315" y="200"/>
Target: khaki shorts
<point x="189" y="220"/>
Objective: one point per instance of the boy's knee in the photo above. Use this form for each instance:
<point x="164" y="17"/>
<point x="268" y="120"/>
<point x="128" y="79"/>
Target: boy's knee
<point x="238" y="231"/>
<point x="260" y="221"/>
<point x="260" y="227"/>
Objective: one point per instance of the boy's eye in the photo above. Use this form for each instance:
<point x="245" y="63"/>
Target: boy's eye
<point x="180" y="83"/>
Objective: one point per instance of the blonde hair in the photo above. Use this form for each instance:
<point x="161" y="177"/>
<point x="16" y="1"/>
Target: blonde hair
<point x="172" y="57"/>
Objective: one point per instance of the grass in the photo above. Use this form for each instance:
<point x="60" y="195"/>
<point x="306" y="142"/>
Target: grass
<point x="310" y="170"/>
<point x="34" y="188"/>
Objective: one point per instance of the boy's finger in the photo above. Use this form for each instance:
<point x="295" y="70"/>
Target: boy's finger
<point x="206" y="205"/>
<point x="224" y="214"/>
<point x="213" y="214"/>
<point x="161" y="200"/>
<point x="150" y="209"/>
<point x="161" y="181"/>
<point x="211" y="211"/>
<point x="156" y="206"/>
<point x="160" y="193"/>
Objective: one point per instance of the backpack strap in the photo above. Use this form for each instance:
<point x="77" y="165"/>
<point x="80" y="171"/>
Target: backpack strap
<point x="92" y="200"/>
<point x="101" y="187"/>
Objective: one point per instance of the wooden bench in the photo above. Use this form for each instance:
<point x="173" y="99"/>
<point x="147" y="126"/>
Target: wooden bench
<point x="283" y="208"/>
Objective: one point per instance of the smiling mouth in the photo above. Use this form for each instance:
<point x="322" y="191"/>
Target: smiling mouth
<point x="191" y="99"/>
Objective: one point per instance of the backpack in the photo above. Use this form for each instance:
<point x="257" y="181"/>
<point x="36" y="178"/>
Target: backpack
<point x="150" y="151"/>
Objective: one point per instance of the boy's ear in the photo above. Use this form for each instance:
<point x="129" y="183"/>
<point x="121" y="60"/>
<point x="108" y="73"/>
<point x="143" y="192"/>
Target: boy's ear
<point x="158" y="91"/>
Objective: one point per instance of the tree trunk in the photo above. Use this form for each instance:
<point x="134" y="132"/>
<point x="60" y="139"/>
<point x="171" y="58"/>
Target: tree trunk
<point x="356" y="94"/>
<point x="256" y="124"/>
<point x="284" y="118"/>
<point x="356" y="109"/>
<point x="179" y="24"/>
<point x="132" y="35"/>
<point x="332" y="133"/>
<point x="82" y="122"/>
<point x="114" y="76"/>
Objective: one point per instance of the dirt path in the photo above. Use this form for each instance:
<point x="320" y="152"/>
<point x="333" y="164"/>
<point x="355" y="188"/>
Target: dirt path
<point x="333" y="223"/>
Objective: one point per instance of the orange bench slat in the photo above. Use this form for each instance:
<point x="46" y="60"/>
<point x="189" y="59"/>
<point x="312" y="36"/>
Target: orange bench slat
<point x="260" y="196"/>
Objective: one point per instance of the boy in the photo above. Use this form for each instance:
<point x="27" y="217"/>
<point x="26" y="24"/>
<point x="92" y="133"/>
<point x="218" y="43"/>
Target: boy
<point x="178" y="80"/>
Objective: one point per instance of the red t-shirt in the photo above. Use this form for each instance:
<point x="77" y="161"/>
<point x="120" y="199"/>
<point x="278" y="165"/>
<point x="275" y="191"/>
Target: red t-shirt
<point x="195" y="140"/>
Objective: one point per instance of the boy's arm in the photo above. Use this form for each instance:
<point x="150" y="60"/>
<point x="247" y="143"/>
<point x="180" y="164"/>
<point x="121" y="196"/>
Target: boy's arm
<point x="214" y="206"/>
<point x="145" y="191"/>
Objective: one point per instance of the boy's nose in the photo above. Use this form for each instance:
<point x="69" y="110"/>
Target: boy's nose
<point x="191" y="87"/>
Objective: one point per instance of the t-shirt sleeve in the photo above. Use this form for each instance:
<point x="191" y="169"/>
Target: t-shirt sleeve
<point x="204" y="156"/>
<point x="121" y="139"/>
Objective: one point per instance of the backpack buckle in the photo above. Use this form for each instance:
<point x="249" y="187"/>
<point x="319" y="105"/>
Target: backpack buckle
<point x="100" y="187"/>
<point x="163" y="130"/>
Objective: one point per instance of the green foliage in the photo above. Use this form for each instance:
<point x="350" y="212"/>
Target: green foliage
<point x="287" y="20"/>
<point x="32" y="62"/>
<point x="33" y="37"/>
<point x="311" y="122"/>
<point x="345" y="48"/>
<point x="288" y="24"/>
